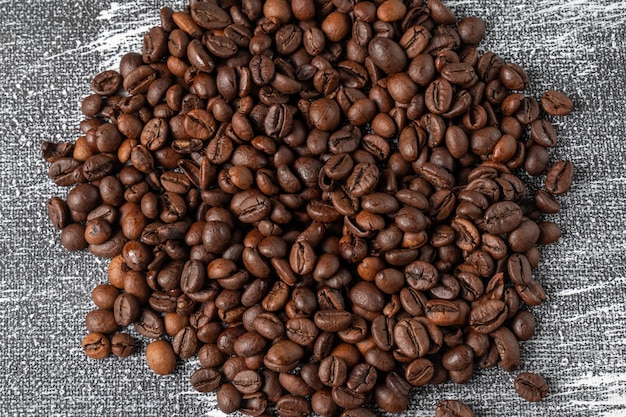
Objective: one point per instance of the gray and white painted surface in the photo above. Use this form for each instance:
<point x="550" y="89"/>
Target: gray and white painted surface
<point x="49" y="50"/>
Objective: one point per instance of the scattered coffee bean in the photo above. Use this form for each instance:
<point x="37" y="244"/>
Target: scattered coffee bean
<point x="556" y="103"/>
<point x="453" y="408"/>
<point x="531" y="387"/>
<point x="240" y="174"/>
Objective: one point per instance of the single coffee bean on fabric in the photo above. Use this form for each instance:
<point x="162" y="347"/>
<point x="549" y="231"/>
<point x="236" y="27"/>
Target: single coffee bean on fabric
<point x="531" y="387"/>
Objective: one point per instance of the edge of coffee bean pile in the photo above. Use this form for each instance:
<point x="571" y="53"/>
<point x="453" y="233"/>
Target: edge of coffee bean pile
<point x="323" y="201"/>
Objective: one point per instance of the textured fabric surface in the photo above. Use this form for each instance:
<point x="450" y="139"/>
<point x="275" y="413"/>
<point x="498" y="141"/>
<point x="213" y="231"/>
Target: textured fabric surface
<point x="49" y="50"/>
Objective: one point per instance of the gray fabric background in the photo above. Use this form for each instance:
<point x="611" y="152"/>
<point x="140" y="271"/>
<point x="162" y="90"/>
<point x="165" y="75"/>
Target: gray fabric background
<point x="49" y="50"/>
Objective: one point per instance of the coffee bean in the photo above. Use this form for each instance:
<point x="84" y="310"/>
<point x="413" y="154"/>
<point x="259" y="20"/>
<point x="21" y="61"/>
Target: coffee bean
<point x="531" y="387"/>
<point x="247" y="381"/>
<point x="107" y="83"/>
<point x="556" y="103"/>
<point x="197" y="183"/>
<point x="419" y="372"/>
<point x="333" y="371"/>
<point x="503" y="217"/>
<point x="559" y="177"/>
<point x="514" y="77"/>
<point x="411" y="338"/>
<point x="387" y="55"/>
<point x="96" y="345"/>
<point x="389" y="400"/>
<point x="228" y="398"/>
<point x="126" y="309"/>
<point x="453" y="408"/>
<point x="205" y="379"/>
<point x="160" y="357"/>
<point x="488" y="316"/>
<point x="471" y="30"/>
<point x="523" y="325"/>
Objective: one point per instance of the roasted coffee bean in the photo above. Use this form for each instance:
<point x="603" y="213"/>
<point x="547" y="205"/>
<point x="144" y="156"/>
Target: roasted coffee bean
<point x="390" y="400"/>
<point x="107" y="83"/>
<point x="531" y="387"/>
<point x="419" y="372"/>
<point x="206" y="380"/>
<point x="559" y="177"/>
<point x="514" y="77"/>
<point x="332" y="321"/>
<point x="503" y="217"/>
<point x="411" y="338"/>
<point x="453" y="408"/>
<point x="51" y="151"/>
<point x="228" y="398"/>
<point x="160" y="357"/>
<point x="185" y="342"/>
<point x="96" y="345"/>
<point x="508" y="348"/>
<point x="333" y="371"/>
<point x="362" y="378"/>
<point x="523" y="325"/>
<point x="283" y="356"/>
<point x="556" y="103"/>
<point x="126" y="309"/>
<point x="346" y="398"/>
<point x="301" y="330"/>
<point x="122" y="345"/>
<point x="244" y="168"/>
<point x="247" y="381"/>
<point x="150" y="325"/>
<point x="387" y="55"/>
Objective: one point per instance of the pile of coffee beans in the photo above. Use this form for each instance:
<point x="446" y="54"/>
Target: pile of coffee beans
<point x="321" y="200"/>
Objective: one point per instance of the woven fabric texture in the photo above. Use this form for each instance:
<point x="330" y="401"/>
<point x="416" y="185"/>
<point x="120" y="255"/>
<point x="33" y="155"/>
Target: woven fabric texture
<point x="50" y="49"/>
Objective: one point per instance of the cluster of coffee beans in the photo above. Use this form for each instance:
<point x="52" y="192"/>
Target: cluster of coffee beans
<point x="319" y="199"/>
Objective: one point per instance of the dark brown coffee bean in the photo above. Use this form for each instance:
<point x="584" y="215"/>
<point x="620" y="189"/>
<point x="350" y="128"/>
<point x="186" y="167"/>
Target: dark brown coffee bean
<point x="51" y="151"/>
<point x="453" y="408"/>
<point x="206" y="380"/>
<point x="283" y="356"/>
<point x="387" y="55"/>
<point x="107" y="83"/>
<point x="556" y="103"/>
<point x="332" y="321"/>
<point x="419" y="372"/>
<point x="508" y="348"/>
<point x="471" y="30"/>
<point x="362" y="378"/>
<point x="346" y="398"/>
<point x="139" y="79"/>
<point x="59" y="212"/>
<point x="247" y="381"/>
<point x="514" y="77"/>
<point x="523" y="325"/>
<point x="542" y="132"/>
<point x="411" y="338"/>
<point x="390" y="400"/>
<point x="503" y="217"/>
<point x="228" y="398"/>
<point x="122" y="345"/>
<point x="488" y="316"/>
<point x="126" y="309"/>
<point x="559" y="177"/>
<point x="333" y="371"/>
<point x="150" y="325"/>
<point x="531" y="387"/>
